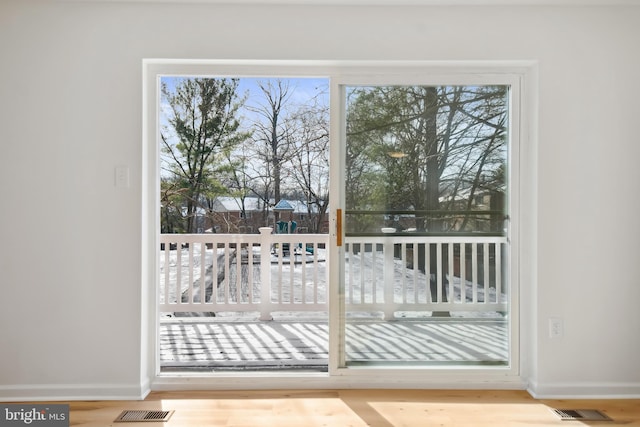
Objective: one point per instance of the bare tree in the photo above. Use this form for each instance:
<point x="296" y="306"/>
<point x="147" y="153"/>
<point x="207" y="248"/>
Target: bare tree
<point x="424" y="149"/>
<point x="271" y="136"/>
<point x="419" y="146"/>
<point x="310" y="160"/>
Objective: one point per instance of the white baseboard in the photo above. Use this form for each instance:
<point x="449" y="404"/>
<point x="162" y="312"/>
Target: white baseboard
<point x="184" y="382"/>
<point x="69" y="392"/>
<point x="584" y="390"/>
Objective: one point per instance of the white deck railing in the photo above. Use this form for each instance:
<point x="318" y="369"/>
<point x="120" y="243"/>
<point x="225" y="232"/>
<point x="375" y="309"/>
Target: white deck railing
<point x="232" y="272"/>
<point x="392" y="273"/>
<point x="389" y="274"/>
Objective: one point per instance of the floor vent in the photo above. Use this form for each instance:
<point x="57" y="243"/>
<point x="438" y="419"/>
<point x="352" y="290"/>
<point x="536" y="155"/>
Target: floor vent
<point x="581" y="414"/>
<point x="143" y="416"/>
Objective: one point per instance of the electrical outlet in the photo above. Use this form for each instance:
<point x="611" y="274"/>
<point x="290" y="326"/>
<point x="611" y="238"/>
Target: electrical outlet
<point x="556" y="327"/>
<point x="122" y="176"/>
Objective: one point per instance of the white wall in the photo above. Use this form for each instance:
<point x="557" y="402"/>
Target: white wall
<point x="71" y="108"/>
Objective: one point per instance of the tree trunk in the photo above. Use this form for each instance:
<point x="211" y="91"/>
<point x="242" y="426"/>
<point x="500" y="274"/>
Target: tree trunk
<point x="432" y="197"/>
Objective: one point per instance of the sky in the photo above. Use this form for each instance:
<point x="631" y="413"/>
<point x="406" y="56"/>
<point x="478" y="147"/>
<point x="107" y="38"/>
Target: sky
<point x="303" y="88"/>
<point x="302" y="91"/>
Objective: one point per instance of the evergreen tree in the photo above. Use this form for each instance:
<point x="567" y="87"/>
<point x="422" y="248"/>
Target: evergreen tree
<point x="201" y="132"/>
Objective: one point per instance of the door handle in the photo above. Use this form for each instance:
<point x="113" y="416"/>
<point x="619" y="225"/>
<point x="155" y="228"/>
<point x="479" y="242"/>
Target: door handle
<point x="338" y="227"/>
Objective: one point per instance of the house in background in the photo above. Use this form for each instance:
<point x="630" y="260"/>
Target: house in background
<point x="237" y="215"/>
<point x="247" y="215"/>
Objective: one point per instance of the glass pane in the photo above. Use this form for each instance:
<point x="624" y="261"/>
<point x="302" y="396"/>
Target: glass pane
<point x="244" y="172"/>
<point x="425" y="208"/>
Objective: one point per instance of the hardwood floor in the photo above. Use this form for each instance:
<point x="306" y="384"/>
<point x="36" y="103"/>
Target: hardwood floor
<point x="344" y="408"/>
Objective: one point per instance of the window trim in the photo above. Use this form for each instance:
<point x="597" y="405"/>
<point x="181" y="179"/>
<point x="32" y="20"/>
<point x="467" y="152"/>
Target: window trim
<point x="519" y="74"/>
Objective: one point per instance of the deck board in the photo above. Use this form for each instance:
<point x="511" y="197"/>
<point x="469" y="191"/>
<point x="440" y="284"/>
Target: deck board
<point x="232" y="345"/>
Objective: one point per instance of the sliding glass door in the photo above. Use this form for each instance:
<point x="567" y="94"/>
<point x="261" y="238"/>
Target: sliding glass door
<point x="368" y="229"/>
<point x="425" y="251"/>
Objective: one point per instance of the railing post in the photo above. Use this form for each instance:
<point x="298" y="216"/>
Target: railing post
<point x="389" y="279"/>
<point x="265" y="273"/>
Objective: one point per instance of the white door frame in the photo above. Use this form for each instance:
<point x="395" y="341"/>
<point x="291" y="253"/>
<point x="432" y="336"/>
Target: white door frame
<point x="519" y="75"/>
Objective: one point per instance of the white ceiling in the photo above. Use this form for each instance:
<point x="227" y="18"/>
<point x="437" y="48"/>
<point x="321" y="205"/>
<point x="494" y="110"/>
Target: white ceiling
<point x="391" y="2"/>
